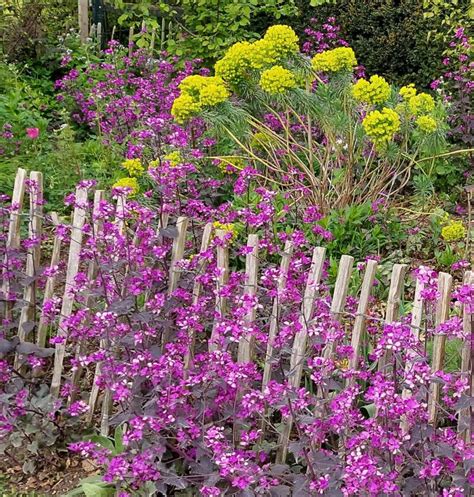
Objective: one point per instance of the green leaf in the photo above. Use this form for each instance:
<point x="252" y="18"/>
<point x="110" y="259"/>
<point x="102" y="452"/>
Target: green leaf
<point x="369" y="409"/>
<point x="97" y="490"/>
<point x="104" y="441"/>
<point x="118" y="437"/>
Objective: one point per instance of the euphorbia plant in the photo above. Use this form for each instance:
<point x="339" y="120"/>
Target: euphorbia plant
<point x="315" y="125"/>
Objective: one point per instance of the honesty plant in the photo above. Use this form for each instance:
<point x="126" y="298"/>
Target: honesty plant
<point x="211" y="427"/>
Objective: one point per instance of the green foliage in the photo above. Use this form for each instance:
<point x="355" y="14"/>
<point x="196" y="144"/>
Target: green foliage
<point x="450" y="14"/>
<point x="23" y="105"/>
<point x="29" y="29"/>
<point x="390" y="38"/>
<point x="198" y="28"/>
<point x="360" y="232"/>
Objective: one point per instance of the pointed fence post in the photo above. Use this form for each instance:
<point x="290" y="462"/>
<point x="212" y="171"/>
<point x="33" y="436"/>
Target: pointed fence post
<point x="275" y="316"/>
<point x="13" y="236"/>
<point x="392" y="312"/>
<point x="360" y="319"/>
<point x="339" y="297"/>
<point x="416" y="318"/>
<point x="206" y="240"/>
<point x="50" y="283"/>
<point x="223" y="268"/>
<point x="177" y="253"/>
<point x="445" y="282"/>
<point x="298" y="352"/>
<point x="247" y="341"/>
<point x="35" y="225"/>
<point x="72" y="270"/>
<point x="466" y="415"/>
<point x="99" y="196"/>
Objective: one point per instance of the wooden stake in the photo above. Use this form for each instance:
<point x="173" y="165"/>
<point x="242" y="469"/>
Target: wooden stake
<point x="83" y="13"/>
<point x="130" y="41"/>
<point x="68" y="300"/>
<point x="275" y="317"/>
<point x="466" y="415"/>
<point x="445" y="282"/>
<point x="298" y="353"/>
<point x="177" y="253"/>
<point x="247" y="341"/>
<point x="33" y="256"/>
<point x="340" y="295"/>
<point x="392" y="312"/>
<point x="416" y="317"/>
<point x="223" y="267"/>
<point x="13" y="237"/>
<point x="50" y="283"/>
<point x="206" y="240"/>
<point x="361" y="320"/>
<point x="92" y="270"/>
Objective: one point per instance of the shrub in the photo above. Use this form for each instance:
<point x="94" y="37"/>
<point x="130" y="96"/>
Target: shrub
<point x="320" y="133"/>
<point x="389" y="38"/>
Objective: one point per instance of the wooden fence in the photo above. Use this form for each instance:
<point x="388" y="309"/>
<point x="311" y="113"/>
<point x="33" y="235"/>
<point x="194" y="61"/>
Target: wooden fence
<point x="245" y="351"/>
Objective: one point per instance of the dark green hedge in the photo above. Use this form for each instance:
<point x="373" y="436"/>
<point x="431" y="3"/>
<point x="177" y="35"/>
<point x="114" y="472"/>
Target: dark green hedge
<point x="390" y="37"/>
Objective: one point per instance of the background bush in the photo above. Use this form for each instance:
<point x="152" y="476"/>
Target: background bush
<point x="389" y="37"/>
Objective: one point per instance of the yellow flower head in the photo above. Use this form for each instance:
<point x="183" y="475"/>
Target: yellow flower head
<point x="133" y="166"/>
<point x="421" y="104"/>
<point x="127" y="183"/>
<point x="227" y="227"/>
<point x="375" y="91"/>
<point x="213" y="94"/>
<point x="184" y="107"/>
<point x="229" y="164"/>
<point x="284" y="39"/>
<point x="235" y="64"/>
<point x="198" y="92"/>
<point x="194" y="84"/>
<point x="277" y="80"/>
<point x="174" y="158"/>
<point x="426" y="124"/>
<point x="380" y="126"/>
<point x="264" y="53"/>
<point x="337" y="59"/>
<point x="406" y="92"/>
<point x="453" y="231"/>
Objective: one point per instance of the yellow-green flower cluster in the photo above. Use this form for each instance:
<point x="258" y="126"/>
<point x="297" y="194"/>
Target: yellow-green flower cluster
<point x="380" y="126"/>
<point x="374" y="91"/>
<point x="230" y="164"/>
<point x="236" y="62"/>
<point x="277" y="80"/>
<point x="421" y="104"/>
<point x="198" y="92"/>
<point x="427" y="124"/>
<point x="227" y="227"/>
<point x="174" y="158"/>
<point x="408" y="91"/>
<point x="283" y="38"/>
<point x="261" y="140"/>
<point x="127" y="183"/>
<point x="337" y="59"/>
<point x="453" y="231"/>
<point x="133" y="166"/>
<point x="264" y="54"/>
<point x="280" y="41"/>
<point x="184" y="107"/>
